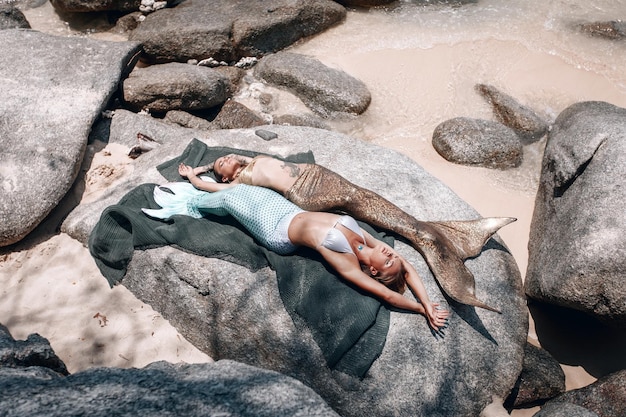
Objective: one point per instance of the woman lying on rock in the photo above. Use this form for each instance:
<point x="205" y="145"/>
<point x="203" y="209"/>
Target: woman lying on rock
<point x="281" y="226"/>
<point x="444" y="245"/>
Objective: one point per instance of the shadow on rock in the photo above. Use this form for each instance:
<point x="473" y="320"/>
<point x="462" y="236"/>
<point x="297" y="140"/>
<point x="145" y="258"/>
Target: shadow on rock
<point x="576" y="339"/>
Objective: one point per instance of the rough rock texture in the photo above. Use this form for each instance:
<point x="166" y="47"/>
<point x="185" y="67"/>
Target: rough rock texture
<point x="577" y="248"/>
<point x="613" y="30"/>
<point x="96" y="5"/>
<point x="365" y="3"/>
<point x="175" y="86"/>
<point x="322" y="89"/>
<point x="12" y="18"/>
<point x="606" y="397"/>
<point x="541" y="379"/>
<point x="522" y="119"/>
<point x="232" y="313"/>
<point x="477" y="142"/>
<point x="558" y="409"/>
<point x="51" y="97"/>
<point x="185" y="119"/>
<point x="234" y="115"/>
<point x="35" y="387"/>
<point x="32" y="352"/>
<point x="162" y="389"/>
<point x="301" y="120"/>
<point x="227" y="30"/>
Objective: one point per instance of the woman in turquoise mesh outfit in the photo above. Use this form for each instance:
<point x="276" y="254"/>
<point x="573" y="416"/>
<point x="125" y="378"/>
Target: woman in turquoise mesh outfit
<point x="282" y="226"/>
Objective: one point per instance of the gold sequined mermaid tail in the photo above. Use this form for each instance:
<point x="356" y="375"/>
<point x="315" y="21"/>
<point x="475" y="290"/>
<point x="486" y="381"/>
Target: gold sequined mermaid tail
<point x="444" y="245"/>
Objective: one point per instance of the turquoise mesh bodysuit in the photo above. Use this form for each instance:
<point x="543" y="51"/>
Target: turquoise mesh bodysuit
<point x="263" y="212"/>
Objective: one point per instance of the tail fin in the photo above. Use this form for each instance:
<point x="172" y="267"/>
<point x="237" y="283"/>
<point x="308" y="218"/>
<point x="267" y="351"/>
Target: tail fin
<point x="469" y="236"/>
<point x="445" y="245"/>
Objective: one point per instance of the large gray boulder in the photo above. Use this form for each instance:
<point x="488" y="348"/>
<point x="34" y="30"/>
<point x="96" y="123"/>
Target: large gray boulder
<point x="230" y="312"/>
<point x="577" y="247"/>
<point x="175" y="86"/>
<point x="522" y="119"/>
<point x="54" y="89"/>
<point x="35" y="387"/>
<point x="324" y="90"/>
<point x="478" y="142"/>
<point x="605" y="398"/>
<point x="227" y="30"/>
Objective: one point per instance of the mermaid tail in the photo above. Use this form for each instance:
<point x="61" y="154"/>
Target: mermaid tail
<point x="445" y="245"/>
<point x="174" y="198"/>
<point x="469" y="236"/>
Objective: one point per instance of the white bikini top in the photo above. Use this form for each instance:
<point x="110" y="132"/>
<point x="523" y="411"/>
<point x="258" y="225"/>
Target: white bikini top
<point x="336" y="241"/>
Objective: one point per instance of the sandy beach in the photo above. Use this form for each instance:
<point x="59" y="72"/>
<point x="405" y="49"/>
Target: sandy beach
<point x="51" y="285"/>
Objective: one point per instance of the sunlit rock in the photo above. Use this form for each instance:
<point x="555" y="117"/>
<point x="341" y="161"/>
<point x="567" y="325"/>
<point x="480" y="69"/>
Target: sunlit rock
<point x="478" y="142"/>
<point x="522" y="119"/>
<point x="227" y="30"/>
<point x="324" y="90"/>
<point x="577" y="246"/>
<point x="175" y="86"/>
<point x="54" y="90"/>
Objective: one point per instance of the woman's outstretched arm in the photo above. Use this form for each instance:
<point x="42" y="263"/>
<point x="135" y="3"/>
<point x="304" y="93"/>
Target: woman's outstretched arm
<point x="204" y="168"/>
<point x="199" y="183"/>
<point x="350" y="270"/>
<point x="436" y="317"/>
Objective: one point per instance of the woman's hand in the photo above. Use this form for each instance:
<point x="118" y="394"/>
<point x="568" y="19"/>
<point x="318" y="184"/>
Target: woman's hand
<point x="437" y="318"/>
<point x="186" y="171"/>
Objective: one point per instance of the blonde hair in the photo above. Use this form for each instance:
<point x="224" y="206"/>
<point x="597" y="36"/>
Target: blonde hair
<point x="395" y="282"/>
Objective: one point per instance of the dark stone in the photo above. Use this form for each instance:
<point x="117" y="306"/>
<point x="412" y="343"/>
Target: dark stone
<point x="33" y="352"/>
<point x="12" y="18"/>
<point x="265" y="134"/>
<point x="234" y="115"/>
<point x="541" y="379"/>
<point x="613" y="30"/>
<point x="606" y="397"/>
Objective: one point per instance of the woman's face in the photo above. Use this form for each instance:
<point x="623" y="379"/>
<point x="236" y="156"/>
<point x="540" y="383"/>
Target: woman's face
<point x="385" y="260"/>
<point x="226" y="168"/>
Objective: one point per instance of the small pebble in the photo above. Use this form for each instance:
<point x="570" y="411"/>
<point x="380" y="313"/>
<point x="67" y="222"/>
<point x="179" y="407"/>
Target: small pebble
<point x="265" y="134"/>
